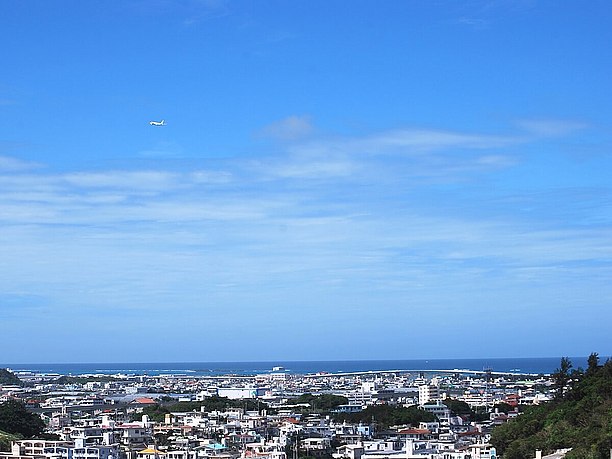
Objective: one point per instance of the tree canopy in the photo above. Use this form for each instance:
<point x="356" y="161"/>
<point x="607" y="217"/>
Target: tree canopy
<point x="389" y="415"/>
<point x="458" y="407"/>
<point x="158" y="412"/>
<point x="580" y="417"/>
<point x="319" y="403"/>
<point x="16" y="419"/>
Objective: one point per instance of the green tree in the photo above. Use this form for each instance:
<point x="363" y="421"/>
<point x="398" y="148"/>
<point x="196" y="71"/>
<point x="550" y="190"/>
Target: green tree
<point x="16" y="419"/>
<point x="158" y="412"/>
<point x="593" y="363"/>
<point x="388" y="415"/>
<point x="155" y="412"/>
<point x="6" y="439"/>
<point x="319" y="403"/>
<point x="580" y="419"/>
<point x="561" y="377"/>
<point x="8" y="378"/>
<point x="503" y="407"/>
<point x="458" y="407"/>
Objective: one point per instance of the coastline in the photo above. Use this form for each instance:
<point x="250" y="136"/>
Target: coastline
<point x="543" y="365"/>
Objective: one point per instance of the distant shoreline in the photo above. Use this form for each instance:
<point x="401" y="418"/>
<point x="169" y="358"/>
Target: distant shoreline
<point x="536" y="365"/>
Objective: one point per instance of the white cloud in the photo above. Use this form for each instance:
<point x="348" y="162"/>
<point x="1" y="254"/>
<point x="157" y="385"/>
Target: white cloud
<point x="422" y="154"/>
<point x="418" y="141"/>
<point x="551" y="127"/>
<point x="291" y="128"/>
<point x="403" y="142"/>
<point x="496" y="160"/>
<point x="10" y="164"/>
<point x="341" y="215"/>
<point x="210" y="177"/>
<point x="478" y="23"/>
<point x="137" y="180"/>
<point x="312" y="169"/>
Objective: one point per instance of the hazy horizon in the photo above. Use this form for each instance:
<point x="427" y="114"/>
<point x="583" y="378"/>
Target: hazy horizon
<point x="178" y="362"/>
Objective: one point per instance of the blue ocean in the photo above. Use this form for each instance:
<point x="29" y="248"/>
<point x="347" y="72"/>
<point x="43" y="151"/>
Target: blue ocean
<point x="543" y="365"/>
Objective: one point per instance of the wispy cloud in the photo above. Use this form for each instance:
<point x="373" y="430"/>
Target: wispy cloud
<point x="394" y="214"/>
<point x="416" y="153"/>
<point x="496" y="160"/>
<point x="416" y="141"/>
<point x="551" y="127"/>
<point x="407" y="142"/>
<point x="309" y="168"/>
<point x="291" y="128"/>
<point x="134" y="180"/>
<point x="10" y="164"/>
<point x="474" y="22"/>
<point x="481" y="14"/>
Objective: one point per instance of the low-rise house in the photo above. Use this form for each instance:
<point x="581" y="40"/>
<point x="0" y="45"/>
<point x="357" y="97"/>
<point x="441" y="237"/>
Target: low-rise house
<point x="482" y="451"/>
<point x="355" y="451"/>
<point x="316" y="446"/>
<point x="414" y="434"/>
<point x="134" y="435"/>
<point x="264" y="450"/>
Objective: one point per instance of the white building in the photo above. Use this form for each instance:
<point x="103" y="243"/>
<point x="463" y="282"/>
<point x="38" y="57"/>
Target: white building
<point x="241" y="392"/>
<point x="428" y="393"/>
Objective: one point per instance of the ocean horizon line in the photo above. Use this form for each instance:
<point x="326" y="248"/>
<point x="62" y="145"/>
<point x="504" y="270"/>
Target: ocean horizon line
<point x="272" y="361"/>
<point x="523" y="365"/>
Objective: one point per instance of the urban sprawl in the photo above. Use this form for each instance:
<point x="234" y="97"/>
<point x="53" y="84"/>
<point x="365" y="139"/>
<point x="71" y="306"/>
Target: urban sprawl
<point x="276" y="415"/>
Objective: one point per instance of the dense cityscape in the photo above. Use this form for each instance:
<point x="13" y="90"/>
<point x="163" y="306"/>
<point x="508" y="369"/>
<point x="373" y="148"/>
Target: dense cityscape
<point x="436" y="414"/>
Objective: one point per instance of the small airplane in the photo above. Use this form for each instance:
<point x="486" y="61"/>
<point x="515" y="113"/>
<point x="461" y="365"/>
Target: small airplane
<point x="158" y="123"/>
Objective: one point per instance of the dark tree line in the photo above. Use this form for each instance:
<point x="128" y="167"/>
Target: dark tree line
<point x="388" y="415"/>
<point x="319" y="403"/>
<point x="157" y="412"/>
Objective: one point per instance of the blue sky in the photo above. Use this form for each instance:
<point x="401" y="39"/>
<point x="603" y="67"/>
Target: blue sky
<point x="336" y="180"/>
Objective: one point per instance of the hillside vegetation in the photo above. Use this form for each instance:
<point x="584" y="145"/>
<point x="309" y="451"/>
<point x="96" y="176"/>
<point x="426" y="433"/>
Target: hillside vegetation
<point x="8" y="378"/>
<point x="17" y="422"/>
<point x="579" y="417"/>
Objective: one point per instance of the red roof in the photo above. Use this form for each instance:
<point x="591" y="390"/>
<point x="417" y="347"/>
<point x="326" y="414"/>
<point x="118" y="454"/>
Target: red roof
<point x="414" y="432"/>
<point x="144" y="400"/>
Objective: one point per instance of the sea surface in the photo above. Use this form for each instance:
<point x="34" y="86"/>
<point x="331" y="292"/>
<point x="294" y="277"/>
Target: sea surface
<point x="543" y="365"/>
